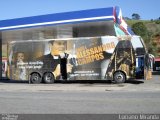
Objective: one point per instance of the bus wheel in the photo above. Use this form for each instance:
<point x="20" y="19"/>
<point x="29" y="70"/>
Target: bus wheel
<point x="119" y="77"/>
<point x="35" y="78"/>
<point x="48" y="78"/>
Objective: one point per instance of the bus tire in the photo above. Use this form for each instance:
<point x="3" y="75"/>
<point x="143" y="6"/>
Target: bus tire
<point x="119" y="77"/>
<point x="35" y="78"/>
<point x="48" y="78"/>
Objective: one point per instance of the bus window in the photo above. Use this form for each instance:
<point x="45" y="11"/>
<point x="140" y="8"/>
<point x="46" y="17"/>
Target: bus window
<point x="138" y="45"/>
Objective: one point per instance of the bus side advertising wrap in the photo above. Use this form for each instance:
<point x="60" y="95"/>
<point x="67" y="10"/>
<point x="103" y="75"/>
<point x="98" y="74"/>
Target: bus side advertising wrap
<point x="89" y="58"/>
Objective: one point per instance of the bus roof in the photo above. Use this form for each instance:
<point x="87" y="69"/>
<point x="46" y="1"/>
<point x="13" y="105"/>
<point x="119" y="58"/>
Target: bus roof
<point x="123" y="37"/>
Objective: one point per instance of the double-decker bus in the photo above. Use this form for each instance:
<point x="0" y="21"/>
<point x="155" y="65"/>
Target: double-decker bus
<point x="86" y="58"/>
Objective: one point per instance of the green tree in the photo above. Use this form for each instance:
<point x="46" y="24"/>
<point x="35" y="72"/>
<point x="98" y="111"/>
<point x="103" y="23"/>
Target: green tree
<point x="136" y="16"/>
<point x="140" y="29"/>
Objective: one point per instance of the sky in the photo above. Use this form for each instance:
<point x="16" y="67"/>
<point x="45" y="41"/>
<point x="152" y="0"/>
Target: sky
<point x="10" y="9"/>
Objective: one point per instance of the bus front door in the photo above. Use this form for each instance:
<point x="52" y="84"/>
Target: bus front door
<point x="139" y="67"/>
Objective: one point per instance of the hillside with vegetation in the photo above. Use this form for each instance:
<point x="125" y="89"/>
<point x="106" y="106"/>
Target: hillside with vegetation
<point x="149" y="30"/>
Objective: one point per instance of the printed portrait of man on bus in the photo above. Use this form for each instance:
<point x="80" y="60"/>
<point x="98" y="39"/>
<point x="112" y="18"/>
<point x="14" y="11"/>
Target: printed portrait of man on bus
<point x="57" y="58"/>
